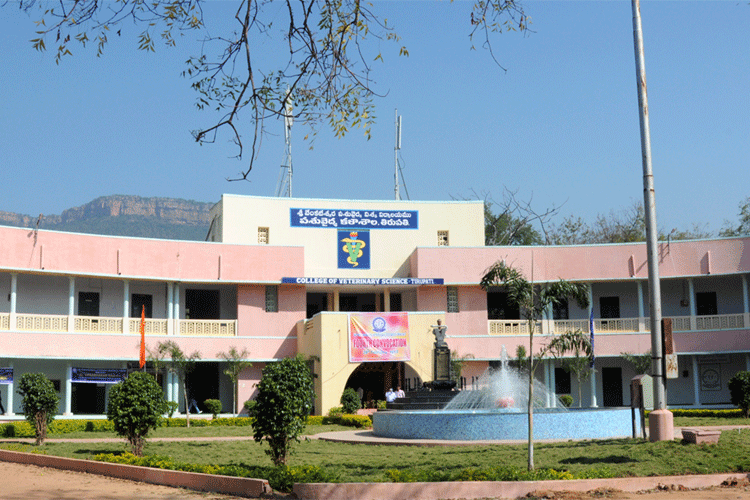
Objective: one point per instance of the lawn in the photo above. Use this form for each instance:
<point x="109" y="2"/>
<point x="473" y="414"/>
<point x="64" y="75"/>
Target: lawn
<point x="367" y="463"/>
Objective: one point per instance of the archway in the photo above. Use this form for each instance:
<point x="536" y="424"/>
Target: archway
<point x="374" y="379"/>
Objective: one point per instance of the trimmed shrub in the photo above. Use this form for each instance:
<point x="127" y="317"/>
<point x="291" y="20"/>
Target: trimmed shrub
<point x="350" y="401"/>
<point x="336" y="411"/>
<point x="136" y="405"/>
<point x="213" y="406"/>
<point x="39" y="402"/>
<point x="285" y="394"/>
<point x="567" y="400"/>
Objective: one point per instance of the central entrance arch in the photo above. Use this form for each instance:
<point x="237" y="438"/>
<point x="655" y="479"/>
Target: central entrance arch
<point x="374" y="379"/>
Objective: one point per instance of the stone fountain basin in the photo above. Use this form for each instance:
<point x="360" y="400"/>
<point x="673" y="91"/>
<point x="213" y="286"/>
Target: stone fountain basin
<point x="505" y="424"/>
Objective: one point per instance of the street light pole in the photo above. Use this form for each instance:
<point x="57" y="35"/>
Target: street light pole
<point x="661" y="423"/>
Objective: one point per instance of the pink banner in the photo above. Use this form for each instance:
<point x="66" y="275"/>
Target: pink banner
<point x="380" y="336"/>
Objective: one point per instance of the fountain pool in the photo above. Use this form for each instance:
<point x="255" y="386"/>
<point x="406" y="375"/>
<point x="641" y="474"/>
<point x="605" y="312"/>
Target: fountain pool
<point x="496" y="410"/>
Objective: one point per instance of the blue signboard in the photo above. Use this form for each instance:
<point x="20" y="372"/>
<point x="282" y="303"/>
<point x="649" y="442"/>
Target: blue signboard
<point x="99" y="375"/>
<point x="353" y="249"/>
<point x="358" y="219"/>
<point x="6" y="375"/>
<point x="364" y="281"/>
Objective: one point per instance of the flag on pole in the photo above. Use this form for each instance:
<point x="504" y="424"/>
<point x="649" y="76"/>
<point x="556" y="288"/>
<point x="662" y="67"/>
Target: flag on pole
<point x="591" y="331"/>
<point x="143" y="337"/>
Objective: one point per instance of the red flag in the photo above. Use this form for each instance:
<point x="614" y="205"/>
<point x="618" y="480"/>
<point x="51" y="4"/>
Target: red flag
<point x="143" y="337"/>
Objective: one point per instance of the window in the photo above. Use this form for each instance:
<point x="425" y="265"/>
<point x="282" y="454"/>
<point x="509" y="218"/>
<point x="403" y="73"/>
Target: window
<point x="442" y="238"/>
<point x="88" y="303"/>
<point x="498" y="307"/>
<point x="452" y="306"/>
<point x="272" y="298"/>
<point x="263" y="236"/>
<point x="609" y="307"/>
<point x="140" y="302"/>
<point x="560" y="310"/>
<point x="705" y="304"/>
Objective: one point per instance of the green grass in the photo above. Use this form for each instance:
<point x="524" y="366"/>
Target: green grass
<point x="357" y="463"/>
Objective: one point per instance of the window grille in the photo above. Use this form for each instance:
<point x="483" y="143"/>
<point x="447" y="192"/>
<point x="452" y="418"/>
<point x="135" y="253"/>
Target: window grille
<point x="272" y="298"/>
<point x="263" y="235"/>
<point x="442" y="238"/>
<point x="452" y="306"/>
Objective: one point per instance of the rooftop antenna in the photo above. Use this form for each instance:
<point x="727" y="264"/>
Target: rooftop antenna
<point x="284" y="186"/>
<point x="397" y="172"/>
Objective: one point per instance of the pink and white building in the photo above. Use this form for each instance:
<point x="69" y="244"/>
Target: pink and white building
<point x="283" y="276"/>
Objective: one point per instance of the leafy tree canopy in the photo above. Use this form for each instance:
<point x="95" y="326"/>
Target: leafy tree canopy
<point x="135" y="407"/>
<point x="743" y="227"/>
<point x="330" y="49"/>
<point x="39" y="402"/>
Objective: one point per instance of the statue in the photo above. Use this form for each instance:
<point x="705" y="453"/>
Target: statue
<point x="442" y="379"/>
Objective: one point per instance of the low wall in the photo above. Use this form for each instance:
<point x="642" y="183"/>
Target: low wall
<point x="238" y="486"/>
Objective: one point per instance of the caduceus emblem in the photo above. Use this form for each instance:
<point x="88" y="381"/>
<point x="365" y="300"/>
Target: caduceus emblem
<point x="353" y="247"/>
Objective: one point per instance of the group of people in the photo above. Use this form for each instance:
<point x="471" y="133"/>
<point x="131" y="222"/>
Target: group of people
<point x="391" y="395"/>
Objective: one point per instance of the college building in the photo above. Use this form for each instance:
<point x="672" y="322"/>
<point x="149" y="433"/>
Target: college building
<point x="357" y="287"/>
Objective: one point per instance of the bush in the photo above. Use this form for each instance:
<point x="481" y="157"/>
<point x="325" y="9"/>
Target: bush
<point x="250" y="407"/>
<point x="336" y="411"/>
<point x="172" y="407"/>
<point x="136" y="405"/>
<point x="739" y="389"/>
<point x="39" y="402"/>
<point x="213" y="406"/>
<point x="566" y="400"/>
<point x="350" y="401"/>
<point x="284" y="401"/>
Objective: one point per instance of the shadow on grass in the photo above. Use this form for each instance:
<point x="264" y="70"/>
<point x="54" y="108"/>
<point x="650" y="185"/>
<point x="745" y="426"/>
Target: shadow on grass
<point x="612" y="459"/>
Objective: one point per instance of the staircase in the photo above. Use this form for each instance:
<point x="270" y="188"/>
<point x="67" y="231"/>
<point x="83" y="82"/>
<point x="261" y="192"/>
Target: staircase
<point x="422" y="400"/>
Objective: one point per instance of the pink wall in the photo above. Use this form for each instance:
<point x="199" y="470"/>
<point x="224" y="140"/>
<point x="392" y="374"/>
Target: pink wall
<point x="585" y="263"/>
<point x="72" y="253"/>
<point x="255" y="321"/>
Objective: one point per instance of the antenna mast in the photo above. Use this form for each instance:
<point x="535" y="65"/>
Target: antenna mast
<point x="284" y="186"/>
<point x="395" y="156"/>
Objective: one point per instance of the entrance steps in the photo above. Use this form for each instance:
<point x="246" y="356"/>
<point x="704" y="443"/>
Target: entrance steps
<point x="422" y="400"/>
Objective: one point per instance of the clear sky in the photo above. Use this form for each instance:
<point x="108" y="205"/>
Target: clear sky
<point x="559" y="126"/>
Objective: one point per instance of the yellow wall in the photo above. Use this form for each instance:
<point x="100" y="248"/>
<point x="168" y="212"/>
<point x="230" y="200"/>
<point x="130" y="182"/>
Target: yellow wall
<point x="241" y="216"/>
<point x="325" y="337"/>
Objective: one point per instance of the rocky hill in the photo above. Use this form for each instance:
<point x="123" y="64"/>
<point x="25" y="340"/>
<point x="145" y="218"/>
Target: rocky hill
<point x="123" y="215"/>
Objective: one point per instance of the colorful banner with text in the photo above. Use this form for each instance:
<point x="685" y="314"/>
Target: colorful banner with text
<point x="382" y="336"/>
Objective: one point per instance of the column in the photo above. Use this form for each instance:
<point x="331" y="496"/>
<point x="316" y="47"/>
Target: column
<point x="691" y="298"/>
<point x="745" y="305"/>
<point x="9" y="399"/>
<point x="176" y="309"/>
<point x="68" y="390"/>
<point x="592" y="379"/>
<point x="71" y="303"/>
<point x="336" y="300"/>
<point x="176" y="389"/>
<point x="126" y="306"/>
<point x="696" y="381"/>
<point x="170" y="308"/>
<point x="552" y="381"/>
<point x="641" y="314"/>
<point x="550" y="390"/>
<point x="169" y="386"/>
<point x="387" y="300"/>
<point x="13" y="300"/>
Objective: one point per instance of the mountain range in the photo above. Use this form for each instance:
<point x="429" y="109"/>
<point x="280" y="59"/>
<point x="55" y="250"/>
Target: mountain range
<point x="124" y="215"/>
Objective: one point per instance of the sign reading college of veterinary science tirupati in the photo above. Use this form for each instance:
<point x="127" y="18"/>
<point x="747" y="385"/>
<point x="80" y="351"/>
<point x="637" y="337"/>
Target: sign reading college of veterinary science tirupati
<point x="380" y="336"/>
<point x="360" y="219"/>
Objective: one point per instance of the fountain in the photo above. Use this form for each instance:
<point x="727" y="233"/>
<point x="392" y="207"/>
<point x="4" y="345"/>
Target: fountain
<point x="496" y="409"/>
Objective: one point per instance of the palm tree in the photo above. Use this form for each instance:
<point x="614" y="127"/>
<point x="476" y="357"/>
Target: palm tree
<point x="532" y="301"/>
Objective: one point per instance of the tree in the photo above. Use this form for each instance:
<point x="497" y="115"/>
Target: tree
<point x="743" y="229"/>
<point x="39" y="402"/>
<point x="457" y="365"/>
<point x="532" y="301"/>
<point x="641" y="362"/>
<point x="739" y="390"/>
<point x="284" y="401"/>
<point x="236" y="363"/>
<point x="180" y="364"/>
<point x="325" y="76"/>
<point x="625" y="225"/>
<point x="579" y="364"/>
<point x="135" y="407"/>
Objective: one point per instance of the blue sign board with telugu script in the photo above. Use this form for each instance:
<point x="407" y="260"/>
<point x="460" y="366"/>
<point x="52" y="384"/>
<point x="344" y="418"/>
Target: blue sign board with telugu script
<point x="355" y="219"/>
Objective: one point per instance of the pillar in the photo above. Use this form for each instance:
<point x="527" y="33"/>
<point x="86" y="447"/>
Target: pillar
<point x="691" y="298"/>
<point x="170" y="308"/>
<point x="126" y="306"/>
<point x="71" y="303"/>
<point x="68" y="390"/>
<point x="696" y="381"/>
<point x="641" y="313"/>
<point x="13" y="300"/>
<point x="9" y="399"/>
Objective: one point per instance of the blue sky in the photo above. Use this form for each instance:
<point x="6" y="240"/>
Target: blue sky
<point x="559" y="126"/>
